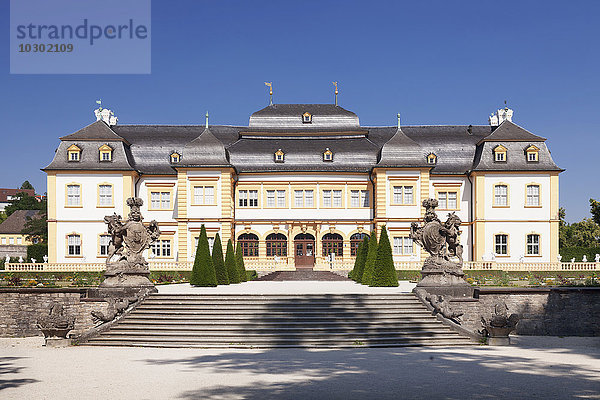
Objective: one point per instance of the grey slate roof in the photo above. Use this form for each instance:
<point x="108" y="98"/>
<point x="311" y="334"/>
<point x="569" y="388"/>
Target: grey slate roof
<point x="99" y="130"/>
<point x="401" y="150"/>
<point x="205" y="150"/>
<point x="282" y="116"/>
<point x="516" y="159"/>
<point x="90" y="157"/>
<point x="349" y="155"/>
<point x="15" y="223"/>
<point x="147" y="148"/>
<point x="510" y="132"/>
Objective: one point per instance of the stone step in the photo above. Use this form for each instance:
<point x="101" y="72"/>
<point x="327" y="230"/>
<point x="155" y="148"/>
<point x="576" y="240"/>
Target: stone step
<point x="279" y="308"/>
<point x="284" y="313"/>
<point x="307" y="297"/>
<point x="225" y="324"/>
<point x="258" y="302"/>
<point x="204" y="332"/>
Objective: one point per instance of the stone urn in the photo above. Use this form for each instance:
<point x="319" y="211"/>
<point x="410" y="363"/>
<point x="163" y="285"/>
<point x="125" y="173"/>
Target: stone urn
<point x="56" y="325"/>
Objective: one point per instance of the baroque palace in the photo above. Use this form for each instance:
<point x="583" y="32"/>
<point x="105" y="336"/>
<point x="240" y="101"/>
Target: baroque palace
<point x="302" y="184"/>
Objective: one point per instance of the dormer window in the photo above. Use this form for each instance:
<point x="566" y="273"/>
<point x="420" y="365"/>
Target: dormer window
<point x="431" y="159"/>
<point x="500" y="153"/>
<point x="175" y="157"/>
<point x="306" y="118"/>
<point x="327" y="155"/>
<point x="73" y="153"/>
<point x="279" y="156"/>
<point x="532" y="153"/>
<point x="105" y="152"/>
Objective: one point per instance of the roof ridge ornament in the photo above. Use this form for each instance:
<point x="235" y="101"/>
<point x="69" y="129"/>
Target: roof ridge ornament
<point x="270" y="85"/>
<point x="501" y="115"/>
<point x="398" y="115"/>
<point x="104" y="114"/>
<point x="336" y="91"/>
<point x="206" y="119"/>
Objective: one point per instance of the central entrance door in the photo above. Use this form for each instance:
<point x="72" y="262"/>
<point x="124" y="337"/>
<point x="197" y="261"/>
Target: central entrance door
<point x="304" y="250"/>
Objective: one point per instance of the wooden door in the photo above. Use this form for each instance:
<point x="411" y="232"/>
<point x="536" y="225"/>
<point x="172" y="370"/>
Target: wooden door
<point x="304" y="251"/>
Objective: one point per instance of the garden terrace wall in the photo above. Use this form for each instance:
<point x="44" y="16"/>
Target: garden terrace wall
<point x="20" y="309"/>
<point x="560" y="311"/>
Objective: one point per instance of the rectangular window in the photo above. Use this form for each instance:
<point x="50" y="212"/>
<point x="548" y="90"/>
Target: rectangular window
<point x="105" y="156"/>
<point x="533" y="195"/>
<point x="403" y="195"/>
<point x="160" y="200"/>
<point x="501" y="195"/>
<point x="364" y="198"/>
<point x="19" y="240"/>
<point x="501" y="245"/>
<point x="243" y="198"/>
<point x="403" y="246"/>
<point x="104" y="242"/>
<point x="105" y="195"/>
<point x="337" y="198"/>
<point x="270" y="198"/>
<point x="74" y="245"/>
<point x="3" y="240"/>
<point x="73" y="195"/>
<point x="533" y="245"/>
<point x="204" y="195"/>
<point x="298" y="198"/>
<point x="161" y="248"/>
<point x="253" y="198"/>
<point x="74" y="155"/>
<point x="327" y="198"/>
<point x="447" y="200"/>
<point x="309" y="198"/>
<point x="281" y="198"/>
<point x="354" y="198"/>
<point x="11" y="240"/>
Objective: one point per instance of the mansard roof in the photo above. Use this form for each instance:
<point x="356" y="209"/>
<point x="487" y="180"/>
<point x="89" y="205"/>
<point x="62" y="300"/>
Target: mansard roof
<point x="508" y="131"/>
<point x="205" y="150"/>
<point x="147" y="148"/>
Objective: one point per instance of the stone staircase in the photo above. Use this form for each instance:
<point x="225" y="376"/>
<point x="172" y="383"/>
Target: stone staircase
<point x="268" y="321"/>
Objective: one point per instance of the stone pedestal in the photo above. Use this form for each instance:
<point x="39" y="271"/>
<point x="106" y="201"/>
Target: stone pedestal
<point x="499" y="341"/>
<point x="57" y="342"/>
<point x="445" y="278"/>
<point x="123" y="280"/>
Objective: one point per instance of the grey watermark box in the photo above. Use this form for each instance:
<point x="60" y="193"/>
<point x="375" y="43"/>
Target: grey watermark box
<point x="80" y="37"/>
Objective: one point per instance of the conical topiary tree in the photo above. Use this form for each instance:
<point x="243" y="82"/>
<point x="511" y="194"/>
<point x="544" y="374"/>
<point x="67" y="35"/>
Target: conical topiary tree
<point x="232" y="270"/>
<point x="203" y="272"/>
<point x="384" y="273"/>
<point x="353" y="271"/>
<point x="239" y="262"/>
<point x="367" y="275"/>
<point x="219" y="262"/>
<point x="361" y="257"/>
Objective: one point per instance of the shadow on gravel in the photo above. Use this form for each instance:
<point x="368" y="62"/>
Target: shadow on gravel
<point x="7" y="367"/>
<point x="412" y="373"/>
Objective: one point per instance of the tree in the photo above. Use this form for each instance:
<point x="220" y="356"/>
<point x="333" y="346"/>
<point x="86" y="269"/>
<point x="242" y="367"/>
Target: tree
<point x="36" y="228"/>
<point x="3" y="216"/>
<point x="203" y="272"/>
<point x="585" y="233"/>
<point x="384" y="273"/>
<point x="27" y="186"/>
<point x="232" y="270"/>
<point x="361" y="260"/>
<point x="24" y="201"/>
<point x="353" y="271"/>
<point x="367" y="276"/>
<point x="595" y="210"/>
<point x="239" y="262"/>
<point x="218" y="262"/>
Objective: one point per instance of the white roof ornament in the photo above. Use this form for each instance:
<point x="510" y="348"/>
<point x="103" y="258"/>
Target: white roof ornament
<point x="503" y="114"/>
<point x="105" y="115"/>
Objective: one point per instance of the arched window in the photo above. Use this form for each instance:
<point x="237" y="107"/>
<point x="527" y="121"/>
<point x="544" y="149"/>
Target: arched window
<point x="276" y="245"/>
<point x="355" y="241"/>
<point x="333" y="243"/>
<point x="249" y="243"/>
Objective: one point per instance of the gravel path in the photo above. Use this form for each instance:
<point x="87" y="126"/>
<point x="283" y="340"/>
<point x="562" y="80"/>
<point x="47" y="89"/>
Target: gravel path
<point x="545" y="368"/>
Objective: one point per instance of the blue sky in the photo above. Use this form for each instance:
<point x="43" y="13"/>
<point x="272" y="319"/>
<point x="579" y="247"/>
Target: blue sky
<point x="435" y="62"/>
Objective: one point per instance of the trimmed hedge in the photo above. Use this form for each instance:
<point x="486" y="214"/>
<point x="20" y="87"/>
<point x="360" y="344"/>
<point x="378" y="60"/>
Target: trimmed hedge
<point x="568" y="253"/>
<point x="219" y="262"/>
<point x="37" y="252"/>
<point x="367" y="275"/>
<point x="203" y="272"/>
<point x="384" y="273"/>
<point x="232" y="269"/>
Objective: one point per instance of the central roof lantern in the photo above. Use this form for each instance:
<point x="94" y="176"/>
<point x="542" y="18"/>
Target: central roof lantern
<point x="304" y="116"/>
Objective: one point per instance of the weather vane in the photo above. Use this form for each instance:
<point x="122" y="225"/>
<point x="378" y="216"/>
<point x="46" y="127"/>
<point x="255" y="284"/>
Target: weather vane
<point x="99" y="102"/>
<point x="336" y="91"/>
<point x="270" y="85"/>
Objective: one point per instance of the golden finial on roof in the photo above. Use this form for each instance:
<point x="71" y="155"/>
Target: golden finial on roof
<point x="270" y="85"/>
<point x="336" y="91"/>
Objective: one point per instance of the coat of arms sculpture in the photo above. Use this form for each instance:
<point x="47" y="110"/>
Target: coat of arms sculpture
<point x="125" y="263"/>
<point x="442" y="271"/>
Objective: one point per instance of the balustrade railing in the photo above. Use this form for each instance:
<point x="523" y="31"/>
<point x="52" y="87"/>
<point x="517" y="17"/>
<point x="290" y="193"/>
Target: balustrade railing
<point x="321" y="263"/>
